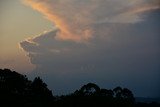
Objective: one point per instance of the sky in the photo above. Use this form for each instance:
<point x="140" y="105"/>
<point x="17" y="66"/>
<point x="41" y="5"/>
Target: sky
<point x="15" y="26"/>
<point x="72" y="42"/>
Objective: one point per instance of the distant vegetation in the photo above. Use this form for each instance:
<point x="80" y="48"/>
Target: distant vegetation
<point x="17" y="91"/>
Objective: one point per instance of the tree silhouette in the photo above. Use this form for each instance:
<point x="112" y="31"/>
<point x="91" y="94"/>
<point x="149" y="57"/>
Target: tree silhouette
<point x="13" y="82"/>
<point x="127" y="94"/>
<point x="89" y="89"/>
<point x="17" y="90"/>
<point x="118" y="92"/>
<point x="39" y="89"/>
<point x="107" y="93"/>
<point x="123" y="96"/>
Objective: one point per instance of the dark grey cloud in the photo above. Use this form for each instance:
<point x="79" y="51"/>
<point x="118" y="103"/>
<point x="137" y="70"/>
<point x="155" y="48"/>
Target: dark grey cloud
<point x="118" y="54"/>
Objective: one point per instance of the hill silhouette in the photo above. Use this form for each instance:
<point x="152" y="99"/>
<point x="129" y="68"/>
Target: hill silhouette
<point x="17" y="90"/>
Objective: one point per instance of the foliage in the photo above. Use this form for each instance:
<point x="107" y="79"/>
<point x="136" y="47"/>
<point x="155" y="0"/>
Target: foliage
<point x="17" y="90"/>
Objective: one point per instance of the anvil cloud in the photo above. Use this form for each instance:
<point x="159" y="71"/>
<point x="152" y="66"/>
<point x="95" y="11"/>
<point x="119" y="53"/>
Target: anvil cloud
<point x="102" y="41"/>
<point x="75" y="18"/>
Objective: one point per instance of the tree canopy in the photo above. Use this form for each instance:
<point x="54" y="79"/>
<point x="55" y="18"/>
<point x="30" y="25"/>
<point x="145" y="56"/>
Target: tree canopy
<point x="17" y="90"/>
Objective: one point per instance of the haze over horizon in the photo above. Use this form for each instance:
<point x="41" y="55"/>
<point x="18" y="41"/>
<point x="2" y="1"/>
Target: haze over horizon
<point x="72" y="42"/>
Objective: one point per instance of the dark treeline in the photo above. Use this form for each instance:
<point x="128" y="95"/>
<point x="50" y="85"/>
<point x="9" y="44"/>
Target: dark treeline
<point x="17" y="91"/>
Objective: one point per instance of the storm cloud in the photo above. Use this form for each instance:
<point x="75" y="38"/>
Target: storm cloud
<point x="110" y="42"/>
<point x="75" y="18"/>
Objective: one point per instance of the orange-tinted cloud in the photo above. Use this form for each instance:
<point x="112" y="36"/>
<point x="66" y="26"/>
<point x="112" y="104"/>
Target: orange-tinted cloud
<point x="75" y="18"/>
<point x="63" y="20"/>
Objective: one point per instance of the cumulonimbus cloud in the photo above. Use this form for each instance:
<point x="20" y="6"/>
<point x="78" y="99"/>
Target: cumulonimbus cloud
<point x="77" y="23"/>
<point x="99" y="40"/>
<point x="129" y="52"/>
<point x="74" y="18"/>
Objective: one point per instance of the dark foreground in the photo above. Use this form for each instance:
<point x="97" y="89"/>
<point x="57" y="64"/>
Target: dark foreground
<point x="17" y="91"/>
